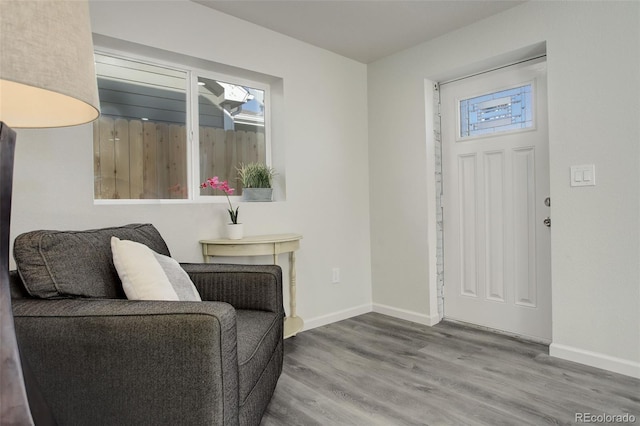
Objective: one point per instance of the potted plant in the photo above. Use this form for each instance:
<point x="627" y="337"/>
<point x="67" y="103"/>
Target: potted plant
<point x="256" y="179"/>
<point x="234" y="229"/>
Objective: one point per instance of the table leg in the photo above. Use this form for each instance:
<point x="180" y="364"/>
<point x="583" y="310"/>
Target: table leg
<point x="293" y="323"/>
<point x="204" y="254"/>
<point x="292" y="283"/>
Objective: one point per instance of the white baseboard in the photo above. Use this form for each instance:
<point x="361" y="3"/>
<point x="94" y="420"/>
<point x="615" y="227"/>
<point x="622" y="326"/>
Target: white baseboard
<point x="336" y="316"/>
<point x="595" y="359"/>
<point x="404" y="314"/>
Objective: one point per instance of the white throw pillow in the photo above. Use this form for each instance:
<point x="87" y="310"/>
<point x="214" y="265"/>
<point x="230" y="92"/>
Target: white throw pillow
<point x="147" y="275"/>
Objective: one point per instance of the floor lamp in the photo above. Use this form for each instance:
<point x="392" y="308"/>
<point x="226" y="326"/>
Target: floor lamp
<point x="47" y="79"/>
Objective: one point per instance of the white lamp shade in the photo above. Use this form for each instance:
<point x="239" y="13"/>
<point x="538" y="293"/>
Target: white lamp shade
<point x="47" y="67"/>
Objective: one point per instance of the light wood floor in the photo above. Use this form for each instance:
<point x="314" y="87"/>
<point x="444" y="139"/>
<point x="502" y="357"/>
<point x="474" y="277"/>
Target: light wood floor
<point x="378" y="370"/>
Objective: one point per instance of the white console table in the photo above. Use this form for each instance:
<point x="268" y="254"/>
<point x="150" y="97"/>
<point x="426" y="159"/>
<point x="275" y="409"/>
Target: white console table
<point x="261" y="245"/>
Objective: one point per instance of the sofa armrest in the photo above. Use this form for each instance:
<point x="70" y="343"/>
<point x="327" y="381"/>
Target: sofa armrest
<point x="124" y="362"/>
<point x="257" y="287"/>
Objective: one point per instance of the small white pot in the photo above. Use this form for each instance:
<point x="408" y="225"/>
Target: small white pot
<point x="235" y="231"/>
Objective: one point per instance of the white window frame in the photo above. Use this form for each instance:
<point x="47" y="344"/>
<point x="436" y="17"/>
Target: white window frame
<point x="191" y="124"/>
<point x="195" y="118"/>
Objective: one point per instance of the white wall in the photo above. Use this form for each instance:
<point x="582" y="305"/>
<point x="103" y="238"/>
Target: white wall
<point x="593" y="62"/>
<point x="323" y="144"/>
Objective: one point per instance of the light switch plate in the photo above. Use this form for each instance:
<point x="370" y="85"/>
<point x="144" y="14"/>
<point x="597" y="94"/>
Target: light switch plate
<point x="584" y="175"/>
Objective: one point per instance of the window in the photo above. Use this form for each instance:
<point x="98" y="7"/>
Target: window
<point x="144" y="145"/>
<point x="502" y="111"/>
<point x="232" y="129"/>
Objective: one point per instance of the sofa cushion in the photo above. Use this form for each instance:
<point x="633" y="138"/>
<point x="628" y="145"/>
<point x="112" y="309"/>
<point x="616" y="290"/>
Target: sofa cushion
<point x="58" y="264"/>
<point x="259" y="333"/>
<point x="147" y="275"/>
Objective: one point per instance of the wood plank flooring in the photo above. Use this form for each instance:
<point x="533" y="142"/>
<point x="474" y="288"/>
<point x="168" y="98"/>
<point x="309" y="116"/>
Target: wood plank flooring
<point x="378" y="370"/>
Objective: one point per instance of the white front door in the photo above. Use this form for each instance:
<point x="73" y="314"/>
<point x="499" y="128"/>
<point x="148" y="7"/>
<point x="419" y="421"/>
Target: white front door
<point x="497" y="263"/>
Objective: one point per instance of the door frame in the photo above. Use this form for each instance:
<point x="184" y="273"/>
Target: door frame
<point x="434" y="165"/>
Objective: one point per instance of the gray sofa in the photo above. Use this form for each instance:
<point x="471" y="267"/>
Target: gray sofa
<point x="100" y="359"/>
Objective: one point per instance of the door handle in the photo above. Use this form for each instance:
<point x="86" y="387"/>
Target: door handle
<point x="547" y="222"/>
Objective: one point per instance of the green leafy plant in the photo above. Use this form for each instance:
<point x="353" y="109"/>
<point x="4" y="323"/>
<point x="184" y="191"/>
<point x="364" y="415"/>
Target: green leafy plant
<point x="256" y="175"/>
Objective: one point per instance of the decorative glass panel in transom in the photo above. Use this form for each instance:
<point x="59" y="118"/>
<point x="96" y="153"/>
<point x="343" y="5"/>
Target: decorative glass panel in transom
<point x="506" y="110"/>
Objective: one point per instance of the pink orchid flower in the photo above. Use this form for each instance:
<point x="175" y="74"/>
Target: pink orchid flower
<point x="215" y="183"/>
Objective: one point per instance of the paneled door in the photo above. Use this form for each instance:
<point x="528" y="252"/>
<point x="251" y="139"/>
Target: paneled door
<point x="497" y="264"/>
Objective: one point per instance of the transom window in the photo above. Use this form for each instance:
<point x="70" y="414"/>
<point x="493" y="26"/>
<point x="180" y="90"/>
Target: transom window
<point x="503" y="111"/>
<point x="146" y="145"/>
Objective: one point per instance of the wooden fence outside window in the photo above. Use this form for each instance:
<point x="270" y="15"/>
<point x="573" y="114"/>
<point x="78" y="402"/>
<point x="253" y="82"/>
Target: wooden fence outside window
<point x="135" y="159"/>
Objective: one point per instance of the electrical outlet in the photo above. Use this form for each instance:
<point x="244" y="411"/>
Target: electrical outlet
<point x="335" y="275"/>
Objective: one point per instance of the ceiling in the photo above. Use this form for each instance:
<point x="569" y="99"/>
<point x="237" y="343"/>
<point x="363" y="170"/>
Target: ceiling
<point x="363" y="30"/>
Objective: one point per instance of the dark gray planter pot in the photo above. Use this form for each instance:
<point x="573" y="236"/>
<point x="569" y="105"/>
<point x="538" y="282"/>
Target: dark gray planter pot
<point x="257" y="194"/>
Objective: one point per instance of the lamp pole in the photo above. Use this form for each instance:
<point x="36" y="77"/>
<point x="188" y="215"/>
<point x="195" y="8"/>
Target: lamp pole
<point x="21" y="402"/>
<point x="14" y="407"/>
<point x="47" y="80"/>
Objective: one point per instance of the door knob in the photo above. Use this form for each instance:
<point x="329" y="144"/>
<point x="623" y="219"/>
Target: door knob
<point x="547" y="222"/>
